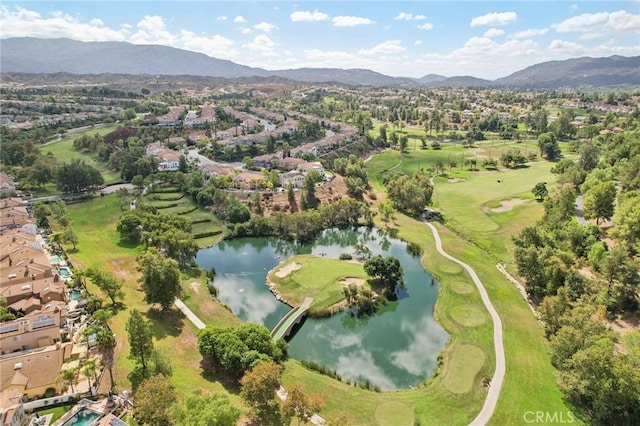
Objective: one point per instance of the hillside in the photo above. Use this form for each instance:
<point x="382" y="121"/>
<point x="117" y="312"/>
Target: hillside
<point x="49" y="56"/>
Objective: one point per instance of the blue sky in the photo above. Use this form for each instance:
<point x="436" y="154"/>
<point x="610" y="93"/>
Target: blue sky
<point x="487" y="39"/>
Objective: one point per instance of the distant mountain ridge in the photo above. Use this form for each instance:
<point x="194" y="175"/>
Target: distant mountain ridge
<point x="48" y="56"/>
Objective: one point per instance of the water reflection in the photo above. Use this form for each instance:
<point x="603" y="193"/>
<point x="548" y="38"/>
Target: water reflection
<point x="395" y="348"/>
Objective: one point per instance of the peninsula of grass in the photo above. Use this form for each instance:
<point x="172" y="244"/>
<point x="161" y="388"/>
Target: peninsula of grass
<point x="323" y="279"/>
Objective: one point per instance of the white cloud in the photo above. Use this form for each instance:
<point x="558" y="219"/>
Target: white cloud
<point x="21" y="22"/>
<point x="264" y="26"/>
<point x="216" y="45"/>
<point x="245" y="30"/>
<point x="494" y="19"/>
<point x="403" y="16"/>
<point x="591" y="36"/>
<point x="565" y="47"/>
<point x="222" y="18"/>
<point x="152" y="30"/>
<point x="386" y="48"/>
<point x="621" y="21"/>
<point x="306" y="16"/>
<point x="350" y="21"/>
<point x="239" y="19"/>
<point x="493" y="32"/>
<point x="417" y="42"/>
<point x="262" y="44"/>
<point x="425" y="27"/>
<point x="532" y="32"/>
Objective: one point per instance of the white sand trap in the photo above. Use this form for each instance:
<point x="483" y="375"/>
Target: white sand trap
<point x="508" y="205"/>
<point x="454" y="180"/>
<point x="351" y="280"/>
<point x="287" y="269"/>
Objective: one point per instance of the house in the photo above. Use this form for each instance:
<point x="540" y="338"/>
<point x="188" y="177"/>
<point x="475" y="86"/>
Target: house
<point x="13" y="217"/>
<point x="267" y="161"/>
<point x="12" y="409"/>
<point x="168" y="159"/>
<point x="31" y="373"/>
<point x="307" y="166"/>
<point x="249" y="180"/>
<point x="215" y="170"/>
<point x="38" y="329"/>
<point x="290" y="163"/>
<point x="293" y="178"/>
<point x="7" y="184"/>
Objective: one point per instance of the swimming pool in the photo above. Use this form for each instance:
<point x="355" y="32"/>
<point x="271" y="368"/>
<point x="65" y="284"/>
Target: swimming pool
<point x="74" y="294"/>
<point x="57" y="259"/>
<point x="64" y="272"/>
<point x="84" y="417"/>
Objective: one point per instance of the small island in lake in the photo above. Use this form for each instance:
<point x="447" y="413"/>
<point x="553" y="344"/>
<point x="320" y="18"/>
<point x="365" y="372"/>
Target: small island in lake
<point x="318" y="277"/>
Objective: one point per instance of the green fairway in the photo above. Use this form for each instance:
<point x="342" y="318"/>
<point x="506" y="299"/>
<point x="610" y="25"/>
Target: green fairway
<point x="315" y="277"/>
<point x="64" y="151"/>
<point x="467" y="361"/>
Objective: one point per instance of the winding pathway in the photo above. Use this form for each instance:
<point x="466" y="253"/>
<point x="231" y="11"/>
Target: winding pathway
<point x="498" y="376"/>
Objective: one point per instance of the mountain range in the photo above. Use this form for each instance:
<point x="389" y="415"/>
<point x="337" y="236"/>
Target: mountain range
<point x="47" y="56"/>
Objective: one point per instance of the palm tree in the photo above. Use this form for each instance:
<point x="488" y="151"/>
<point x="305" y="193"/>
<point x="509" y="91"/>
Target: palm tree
<point x="89" y="370"/>
<point x="69" y="376"/>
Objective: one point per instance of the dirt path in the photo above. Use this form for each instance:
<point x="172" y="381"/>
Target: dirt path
<point x="498" y="376"/>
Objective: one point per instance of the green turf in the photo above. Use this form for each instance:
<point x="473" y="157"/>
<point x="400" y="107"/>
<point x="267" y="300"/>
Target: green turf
<point x="64" y="151"/>
<point x="466" y="362"/>
<point x="318" y="277"/>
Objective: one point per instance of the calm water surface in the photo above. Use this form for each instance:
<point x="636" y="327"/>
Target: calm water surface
<point x="394" y="349"/>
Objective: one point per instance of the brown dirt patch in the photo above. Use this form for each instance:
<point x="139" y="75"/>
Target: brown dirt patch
<point x="195" y="286"/>
<point x="352" y="280"/>
<point x="508" y="205"/>
<point x="287" y="269"/>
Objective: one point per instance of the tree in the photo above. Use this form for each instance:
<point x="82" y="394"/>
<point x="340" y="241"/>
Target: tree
<point x="77" y="176"/>
<point x="183" y="165"/>
<point x="200" y="409"/>
<point x="386" y="269"/>
<point x="627" y="220"/>
<point x="362" y="252"/>
<point x="589" y="156"/>
<point x="140" y="333"/>
<point x="107" y="283"/>
<point x="160" y="278"/>
<point x="138" y="181"/>
<point x="69" y="236"/>
<point x="311" y="201"/>
<point x="104" y="338"/>
<point x="154" y="399"/>
<point x="89" y="370"/>
<point x="548" y="146"/>
<point x="540" y="191"/>
<point x="69" y="377"/>
<point x="301" y="405"/>
<point x="404" y="140"/>
<point x="599" y="201"/>
<point x="260" y="384"/>
<point x="386" y="211"/>
<point x="410" y="193"/>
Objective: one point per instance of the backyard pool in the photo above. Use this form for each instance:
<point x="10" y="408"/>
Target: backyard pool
<point x="57" y="260"/>
<point x="64" y="272"/>
<point x="74" y="294"/>
<point x="84" y="417"/>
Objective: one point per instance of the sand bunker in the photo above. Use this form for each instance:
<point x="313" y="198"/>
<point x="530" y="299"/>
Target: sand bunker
<point x="287" y="269"/>
<point x="348" y="281"/>
<point x="454" y="180"/>
<point x="508" y="205"/>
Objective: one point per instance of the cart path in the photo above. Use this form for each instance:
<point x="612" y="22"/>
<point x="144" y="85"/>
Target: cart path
<point x="498" y="376"/>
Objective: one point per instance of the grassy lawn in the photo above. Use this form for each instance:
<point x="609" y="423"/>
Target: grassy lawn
<point x="99" y="244"/>
<point x="316" y="277"/>
<point x="57" y="411"/>
<point x="64" y="151"/>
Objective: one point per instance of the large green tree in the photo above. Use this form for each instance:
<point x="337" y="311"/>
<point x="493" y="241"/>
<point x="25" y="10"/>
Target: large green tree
<point x="259" y="385"/>
<point x="140" y="334"/>
<point x="300" y="404"/>
<point x="77" y="176"/>
<point x="385" y="269"/>
<point x="410" y="193"/>
<point x="160" y="278"/>
<point x="599" y="201"/>
<point x="107" y="283"/>
<point x="548" y="146"/>
<point x="153" y="401"/>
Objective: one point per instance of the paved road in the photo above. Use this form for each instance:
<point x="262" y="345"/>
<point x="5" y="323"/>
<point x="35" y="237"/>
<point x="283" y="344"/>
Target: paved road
<point x="106" y="190"/>
<point x="189" y="314"/>
<point x="579" y="208"/>
<point x="498" y="376"/>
